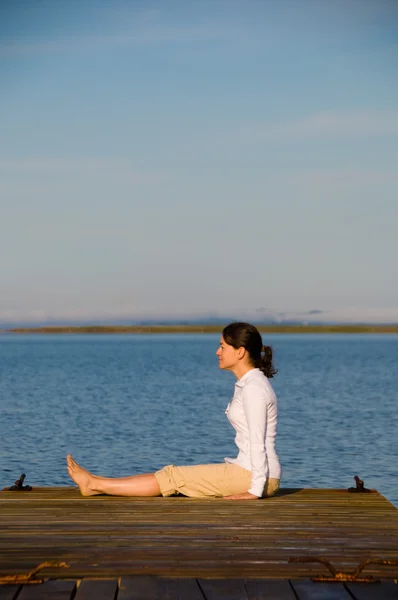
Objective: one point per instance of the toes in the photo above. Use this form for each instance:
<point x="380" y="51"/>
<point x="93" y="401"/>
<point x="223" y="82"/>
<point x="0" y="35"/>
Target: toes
<point x="74" y="466"/>
<point x="71" y="462"/>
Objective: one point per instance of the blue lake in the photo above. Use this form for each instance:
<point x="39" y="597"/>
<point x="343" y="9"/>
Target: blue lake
<point x="133" y="403"/>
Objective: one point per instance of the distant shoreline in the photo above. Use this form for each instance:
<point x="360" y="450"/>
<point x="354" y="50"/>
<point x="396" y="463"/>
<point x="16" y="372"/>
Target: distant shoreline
<point x="142" y="329"/>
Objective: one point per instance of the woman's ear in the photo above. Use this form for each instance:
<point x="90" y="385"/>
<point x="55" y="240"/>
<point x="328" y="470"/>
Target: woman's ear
<point x="241" y="352"/>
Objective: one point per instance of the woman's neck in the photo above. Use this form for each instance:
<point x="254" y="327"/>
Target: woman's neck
<point x="240" y="370"/>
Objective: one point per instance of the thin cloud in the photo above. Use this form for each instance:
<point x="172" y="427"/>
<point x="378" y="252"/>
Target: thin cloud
<point x="354" y="315"/>
<point x="150" y="35"/>
<point x="341" y="315"/>
<point x="80" y="315"/>
<point x="86" y="165"/>
<point x="330" y="125"/>
<point x="347" y="177"/>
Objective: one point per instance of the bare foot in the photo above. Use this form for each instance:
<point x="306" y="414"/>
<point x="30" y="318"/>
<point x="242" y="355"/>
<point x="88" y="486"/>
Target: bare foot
<point x="72" y="462"/>
<point x="82" y="478"/>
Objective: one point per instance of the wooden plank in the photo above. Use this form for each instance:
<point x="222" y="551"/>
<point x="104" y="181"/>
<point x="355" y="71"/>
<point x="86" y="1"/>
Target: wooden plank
<point x="105" y="589"/>
<point x="386" y="590"/>
<point x="269" y="589"/>
<point x="9" y="592"/>
<point x="195" y="538"/>
<point x="223" y="589"/>
<point x="140" y="588"/>
<point x="305" y="589"/>
<point x="144" y="587"/>
<point x="49" y="590"/>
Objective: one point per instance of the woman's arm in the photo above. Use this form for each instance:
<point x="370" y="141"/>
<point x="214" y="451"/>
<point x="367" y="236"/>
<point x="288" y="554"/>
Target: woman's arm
<point x="255" y="408"/>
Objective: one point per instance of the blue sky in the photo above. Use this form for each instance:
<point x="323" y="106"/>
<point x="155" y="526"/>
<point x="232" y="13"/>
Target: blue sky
<point x="187" y="158"/>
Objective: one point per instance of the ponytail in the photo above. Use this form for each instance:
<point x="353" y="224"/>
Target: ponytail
<point x="265" y="363"/>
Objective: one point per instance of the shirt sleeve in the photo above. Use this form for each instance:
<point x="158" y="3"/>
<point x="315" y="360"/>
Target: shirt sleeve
<point x="255" y="408"/>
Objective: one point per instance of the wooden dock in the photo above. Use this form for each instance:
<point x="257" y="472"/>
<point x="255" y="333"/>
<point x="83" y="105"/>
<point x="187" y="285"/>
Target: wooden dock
<point x="150" y="548"/>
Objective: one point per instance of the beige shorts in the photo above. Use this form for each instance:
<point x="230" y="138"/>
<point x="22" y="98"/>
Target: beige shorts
<point x="199" y="481"/>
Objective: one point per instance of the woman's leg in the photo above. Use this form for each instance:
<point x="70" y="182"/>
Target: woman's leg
<point x="92" y="485"/>
<point x="204" y="481"/>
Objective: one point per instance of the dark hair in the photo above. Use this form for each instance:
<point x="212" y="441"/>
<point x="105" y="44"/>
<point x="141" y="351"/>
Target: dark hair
<point x="247" y="336"/>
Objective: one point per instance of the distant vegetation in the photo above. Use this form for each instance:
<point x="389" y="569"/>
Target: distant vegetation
<point x="137" y="329"/>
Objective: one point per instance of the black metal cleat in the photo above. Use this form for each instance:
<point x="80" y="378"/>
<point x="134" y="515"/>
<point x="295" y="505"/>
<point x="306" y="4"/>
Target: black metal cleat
<point x="18" y="486"/>
<point x="360" y="488"/>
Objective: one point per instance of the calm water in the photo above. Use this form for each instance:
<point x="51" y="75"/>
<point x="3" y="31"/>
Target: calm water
<point x="131" y="404"/>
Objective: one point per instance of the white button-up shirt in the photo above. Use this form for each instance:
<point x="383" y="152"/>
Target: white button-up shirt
<point x="253" y="414"/>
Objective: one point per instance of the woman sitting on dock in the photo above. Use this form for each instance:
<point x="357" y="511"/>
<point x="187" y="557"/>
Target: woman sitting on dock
<point x="256" y="471"/>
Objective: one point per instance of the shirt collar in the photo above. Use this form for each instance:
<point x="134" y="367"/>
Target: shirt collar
<point x="241" y="382"/>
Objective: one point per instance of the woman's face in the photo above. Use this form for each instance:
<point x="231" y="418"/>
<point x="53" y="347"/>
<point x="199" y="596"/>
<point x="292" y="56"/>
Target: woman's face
<point x="227" y="355"/>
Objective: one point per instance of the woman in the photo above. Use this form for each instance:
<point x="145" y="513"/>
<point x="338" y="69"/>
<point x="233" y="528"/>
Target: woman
<point x="256" y="471"/>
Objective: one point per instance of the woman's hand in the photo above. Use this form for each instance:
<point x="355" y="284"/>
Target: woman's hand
<point x="244" y="496"/>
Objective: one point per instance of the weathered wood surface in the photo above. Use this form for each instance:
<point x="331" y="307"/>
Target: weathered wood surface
<point x="157" y="588"/>
<point x="110" y="537"/>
